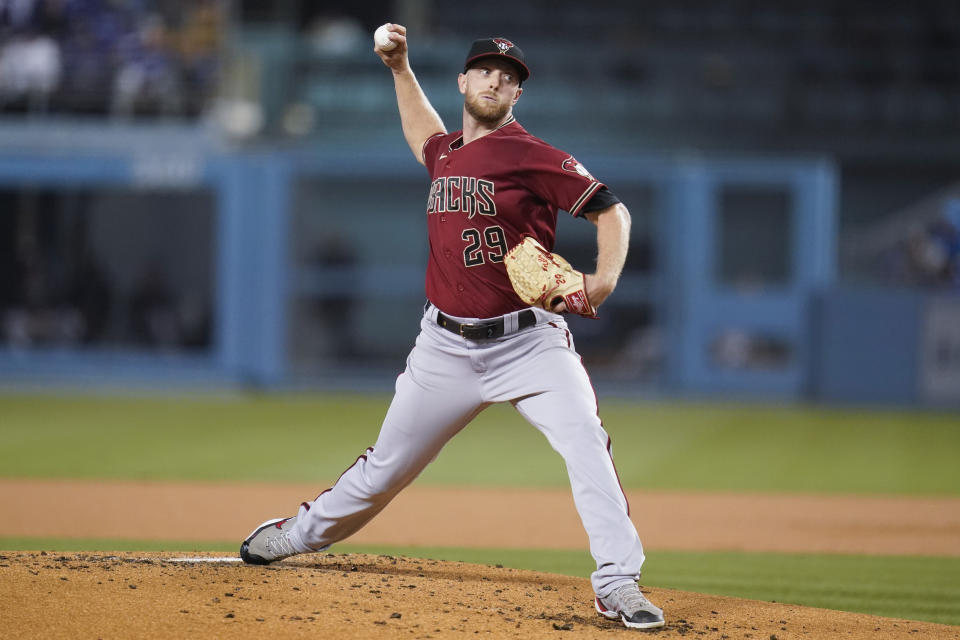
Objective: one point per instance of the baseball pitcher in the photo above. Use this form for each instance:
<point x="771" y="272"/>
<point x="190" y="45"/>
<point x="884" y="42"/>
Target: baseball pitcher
<point x="493" y="328"/>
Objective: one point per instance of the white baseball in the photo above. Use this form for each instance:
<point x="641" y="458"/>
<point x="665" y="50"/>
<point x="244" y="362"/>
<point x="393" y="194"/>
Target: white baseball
<point x="381" y="38"/>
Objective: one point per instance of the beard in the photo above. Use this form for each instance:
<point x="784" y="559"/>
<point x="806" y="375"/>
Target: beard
<point x="485" y="111"/>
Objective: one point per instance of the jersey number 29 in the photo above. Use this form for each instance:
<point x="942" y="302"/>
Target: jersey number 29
<point x="492" y="243"/>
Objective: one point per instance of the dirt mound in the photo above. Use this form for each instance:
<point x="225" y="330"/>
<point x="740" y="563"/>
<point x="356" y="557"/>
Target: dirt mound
<point x="169" y="595"/>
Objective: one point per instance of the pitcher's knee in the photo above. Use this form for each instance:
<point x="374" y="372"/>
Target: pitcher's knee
<point x="388" y="477"/>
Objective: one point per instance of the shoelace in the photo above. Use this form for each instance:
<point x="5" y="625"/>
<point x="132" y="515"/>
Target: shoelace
<point x="631" y="600"/>
<point x="280" y="545"/>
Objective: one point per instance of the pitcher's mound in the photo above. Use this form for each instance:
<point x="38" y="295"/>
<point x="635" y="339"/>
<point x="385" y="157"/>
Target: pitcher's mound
<point x="177" y="595"/>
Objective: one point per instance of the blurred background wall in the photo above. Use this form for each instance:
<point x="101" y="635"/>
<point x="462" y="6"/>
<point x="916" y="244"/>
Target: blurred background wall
<point x="218" y="193"/>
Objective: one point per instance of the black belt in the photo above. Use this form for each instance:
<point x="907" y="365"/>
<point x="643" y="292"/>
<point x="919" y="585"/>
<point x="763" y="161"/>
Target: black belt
<point x="487" y="329"/>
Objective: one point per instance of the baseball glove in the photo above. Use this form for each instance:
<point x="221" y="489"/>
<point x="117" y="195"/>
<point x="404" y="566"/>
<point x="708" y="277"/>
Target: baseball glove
<point x="542" y="279"/>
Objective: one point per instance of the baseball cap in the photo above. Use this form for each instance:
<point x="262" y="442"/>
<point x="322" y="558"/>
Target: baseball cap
<point x="485" y="47"/>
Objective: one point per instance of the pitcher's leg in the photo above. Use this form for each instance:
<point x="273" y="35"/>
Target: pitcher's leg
<point x="417" y="425"/>
<point x="567" y="416"/>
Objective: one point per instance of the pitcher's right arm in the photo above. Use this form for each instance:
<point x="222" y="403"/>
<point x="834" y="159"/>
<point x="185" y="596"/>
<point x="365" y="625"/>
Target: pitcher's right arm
<point x="417" y="116"/>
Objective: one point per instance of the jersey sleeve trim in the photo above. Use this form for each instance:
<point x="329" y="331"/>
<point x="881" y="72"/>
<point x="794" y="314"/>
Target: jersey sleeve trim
<point x="585" y="197"/>
<point x="602" y="199"/>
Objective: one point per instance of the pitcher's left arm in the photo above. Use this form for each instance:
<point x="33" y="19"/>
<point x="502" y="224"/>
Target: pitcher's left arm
<point x="613" y="241"/>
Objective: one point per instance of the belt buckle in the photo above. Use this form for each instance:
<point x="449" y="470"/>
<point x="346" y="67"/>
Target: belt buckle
<point x="478" y="330"/>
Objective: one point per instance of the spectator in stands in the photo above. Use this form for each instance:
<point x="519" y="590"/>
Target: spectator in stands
<point x="946" y="238"/>
<point x="88" y="66"/>
<point x="106" y="56"/>
<point x="148" y="73"/>
<point x="928" y="257"/>
<point x="29" y="69"/>
<point x="17" y="15"/>
<point x="199" y="48"/>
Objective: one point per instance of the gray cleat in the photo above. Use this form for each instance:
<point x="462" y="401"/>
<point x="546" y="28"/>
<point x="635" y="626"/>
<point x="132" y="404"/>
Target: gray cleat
<point x="269" y="542"/>
<point x="630" y="606"/>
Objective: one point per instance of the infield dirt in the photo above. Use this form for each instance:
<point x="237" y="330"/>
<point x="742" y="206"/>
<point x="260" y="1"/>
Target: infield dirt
<point x="488" y="518"/>
<point x="86" y="595"/>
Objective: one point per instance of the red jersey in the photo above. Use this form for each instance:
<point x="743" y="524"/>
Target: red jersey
<point x="484" y="197"/>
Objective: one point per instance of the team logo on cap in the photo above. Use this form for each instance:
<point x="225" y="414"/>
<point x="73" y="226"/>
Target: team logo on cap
<point x="503" y="44"/>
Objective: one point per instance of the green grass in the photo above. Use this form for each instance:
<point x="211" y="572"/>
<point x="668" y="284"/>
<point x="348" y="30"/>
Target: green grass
<point x="312" y="438"/>
<point x="910" y="587"/>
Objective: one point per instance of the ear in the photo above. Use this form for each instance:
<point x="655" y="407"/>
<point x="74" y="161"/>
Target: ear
<point x="462" y="83"/>
<point x="517" y="96"/>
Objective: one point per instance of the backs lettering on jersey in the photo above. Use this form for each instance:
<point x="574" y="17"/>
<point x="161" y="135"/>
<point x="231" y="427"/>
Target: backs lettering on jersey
<point x="462" y="194"/>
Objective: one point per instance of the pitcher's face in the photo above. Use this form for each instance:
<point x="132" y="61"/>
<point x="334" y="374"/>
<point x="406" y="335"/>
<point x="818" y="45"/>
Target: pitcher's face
<point x="490" y="88"/>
